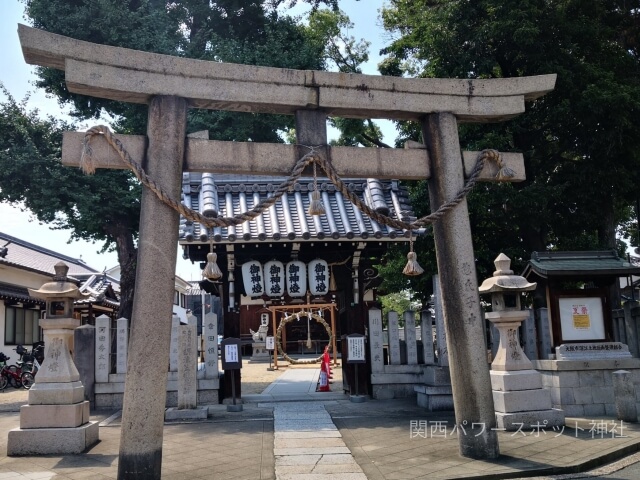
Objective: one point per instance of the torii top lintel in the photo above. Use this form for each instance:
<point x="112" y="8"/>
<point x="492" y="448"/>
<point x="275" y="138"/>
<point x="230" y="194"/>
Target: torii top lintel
<point x="135" y="76"/>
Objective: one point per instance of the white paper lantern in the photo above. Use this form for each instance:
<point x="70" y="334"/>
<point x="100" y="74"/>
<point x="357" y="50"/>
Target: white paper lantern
<point x="296" y="278"/>
<point x="274" y="278"/>
<point x="318" y="271"/>
<point x="253" y="279"/>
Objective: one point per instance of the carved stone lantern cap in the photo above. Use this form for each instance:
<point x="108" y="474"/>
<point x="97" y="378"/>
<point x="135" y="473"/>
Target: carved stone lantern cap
<point x="62" y="286"/>
<point x="504" y="280"/>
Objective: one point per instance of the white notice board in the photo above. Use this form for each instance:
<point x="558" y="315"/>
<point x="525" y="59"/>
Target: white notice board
<point x="355" y="349"/>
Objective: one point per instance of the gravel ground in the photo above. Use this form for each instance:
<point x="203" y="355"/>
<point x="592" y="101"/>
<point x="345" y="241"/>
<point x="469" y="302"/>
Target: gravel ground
<point x="255" y="378"/>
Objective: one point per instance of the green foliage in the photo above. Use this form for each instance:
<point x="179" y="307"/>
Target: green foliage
<point x="105" y="207"/>
<point x="327" y="30"/>
<point x="91" y="206"/>
<point x="398" y="302"/>
<point x="580" y="142"/>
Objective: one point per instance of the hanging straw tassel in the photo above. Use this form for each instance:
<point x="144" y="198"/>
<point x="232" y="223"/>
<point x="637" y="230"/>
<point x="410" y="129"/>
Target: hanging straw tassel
<point x="412" y="268"/>
<point x="504" y="172"/>
<point x="316" y="207"/>
<point x="211" y="270"/>
<point x="86" y="160"/>
<point x="309" y="344"/>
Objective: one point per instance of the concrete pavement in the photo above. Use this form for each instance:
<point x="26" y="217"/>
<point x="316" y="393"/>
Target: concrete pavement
<point x="388" y="440"/>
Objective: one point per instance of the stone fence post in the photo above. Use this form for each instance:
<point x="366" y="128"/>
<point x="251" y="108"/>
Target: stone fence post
<point x="103" y="349"/>
<point x="410" y="337"/>
<point x="84" y="356"/>
<point x="426" y="334"/>
<point x="173" y="355"/>
<point x="375" y="341"/>
<point x="394" y="339"/>
<point x="210" y="333"/>
<point x="625" y="396"/>
<point x="122" y="342"/>
<point x="631" y="313"/>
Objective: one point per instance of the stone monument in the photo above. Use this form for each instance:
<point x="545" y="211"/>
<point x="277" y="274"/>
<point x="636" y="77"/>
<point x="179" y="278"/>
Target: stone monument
<point x="518" y="396"/>
<point x="56" y="419"/>
<point x="187" y="376"/>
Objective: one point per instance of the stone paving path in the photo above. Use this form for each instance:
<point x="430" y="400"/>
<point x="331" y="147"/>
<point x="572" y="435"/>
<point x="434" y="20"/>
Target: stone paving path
<point x="307" y="445"/>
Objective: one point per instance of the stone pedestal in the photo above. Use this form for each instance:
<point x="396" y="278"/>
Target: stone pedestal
<point x="519" y="399"/>
<point x="436" y="394"/>
<point x="521" y="402"/>
<point x="260" y="352"/>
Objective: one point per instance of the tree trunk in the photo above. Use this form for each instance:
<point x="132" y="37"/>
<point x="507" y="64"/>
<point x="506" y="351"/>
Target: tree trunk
<point x="127" y="257"/>
<point x="607" y="227"/>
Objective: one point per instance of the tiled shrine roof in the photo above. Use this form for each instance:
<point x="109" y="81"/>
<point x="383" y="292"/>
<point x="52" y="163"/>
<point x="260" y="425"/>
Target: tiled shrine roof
<point x="288" y="219"/>
<point x="17" y="293"/>
<point x="585" y="264"/>
<point x="27" y="256"/>
<point x="100" y="288"/>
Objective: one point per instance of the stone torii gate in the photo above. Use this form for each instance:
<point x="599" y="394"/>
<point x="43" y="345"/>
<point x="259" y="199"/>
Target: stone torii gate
<point x="171" y="85"/>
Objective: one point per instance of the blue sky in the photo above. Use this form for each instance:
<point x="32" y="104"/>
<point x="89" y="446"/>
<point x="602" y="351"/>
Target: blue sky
<point x="18" y="79"/>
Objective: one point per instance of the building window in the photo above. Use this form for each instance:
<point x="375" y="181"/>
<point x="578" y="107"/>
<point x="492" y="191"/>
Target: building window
<point x="183" y="300"/>
<point x="176" y="297"/>
<point x="21" y="326"/>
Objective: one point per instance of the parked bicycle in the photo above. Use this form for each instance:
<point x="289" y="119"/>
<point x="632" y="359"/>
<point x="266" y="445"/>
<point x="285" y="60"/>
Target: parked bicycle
<point x="29" y="363"/>
<point x="10" y="374"/>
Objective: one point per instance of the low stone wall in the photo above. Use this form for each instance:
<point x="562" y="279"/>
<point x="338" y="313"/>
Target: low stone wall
<point x="585" y="388"/>
<point x="396" y="381"/>
<point x="109" y="395"/>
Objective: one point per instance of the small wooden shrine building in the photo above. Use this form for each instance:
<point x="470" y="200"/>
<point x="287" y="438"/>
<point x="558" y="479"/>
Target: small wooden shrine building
<point x="289" y="258"/>
<point x="578" y="288"/>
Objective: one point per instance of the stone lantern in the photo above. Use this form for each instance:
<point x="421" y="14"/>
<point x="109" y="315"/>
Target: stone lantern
<point x="57" y="408"/>
<point x="518" y="397"/>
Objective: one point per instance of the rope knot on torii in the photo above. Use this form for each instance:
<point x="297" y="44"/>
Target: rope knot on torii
<point x="316" y="207"/>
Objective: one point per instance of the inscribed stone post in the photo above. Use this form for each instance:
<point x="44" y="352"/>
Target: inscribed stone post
<point x="426" y="332"/>
<point x="625" y="396"/>
<point x="375" y="340"/>
<point x="410" y="337"/>
<point x="394" y="339"/>
<point x="103" y="348"/>
<point x="529" y="337"/>
<point x="173" y="356"/>
<point x="122" y="342"/>
<point x="463" y="318"/>
<point x="84" y="356"/>
<point x="187" y="366"/>
<point x="544" y="332"/>
<point x="495" y="340"/>
<point x="631" y="329"/>
<point x="441" y="336"/>
<point x="210" y="332"/>
<point x="140" y="455"/>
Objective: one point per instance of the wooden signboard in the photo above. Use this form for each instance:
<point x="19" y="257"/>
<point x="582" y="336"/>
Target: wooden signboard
<point x="231" y="354"/>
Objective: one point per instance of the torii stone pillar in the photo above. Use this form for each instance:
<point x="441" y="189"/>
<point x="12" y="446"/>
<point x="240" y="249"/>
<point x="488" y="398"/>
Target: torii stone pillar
<point x="463" y="319"/>
<point x="141" y="455"/>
